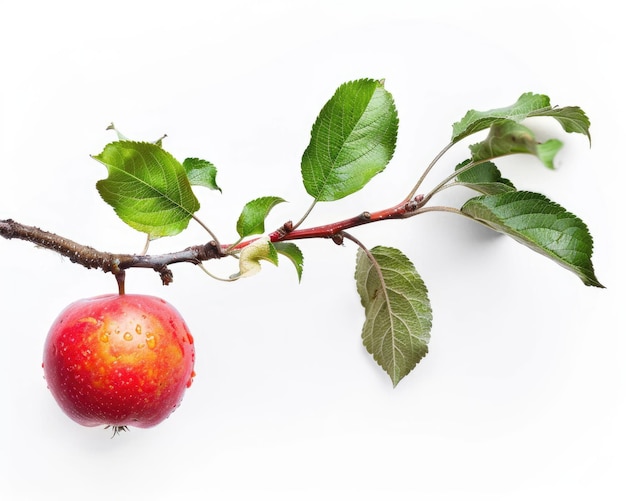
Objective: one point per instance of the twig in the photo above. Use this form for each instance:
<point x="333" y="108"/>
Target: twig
<point x="116" y="263"/>
<point x="107" y="261"/>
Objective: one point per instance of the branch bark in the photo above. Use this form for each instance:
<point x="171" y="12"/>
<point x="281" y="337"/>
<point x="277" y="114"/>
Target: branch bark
<point x="117" y="263"/>
<point x="107" y="261"/>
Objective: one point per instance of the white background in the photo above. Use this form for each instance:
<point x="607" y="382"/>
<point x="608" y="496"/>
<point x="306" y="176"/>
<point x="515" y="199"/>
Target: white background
<point x="522" y="394"/>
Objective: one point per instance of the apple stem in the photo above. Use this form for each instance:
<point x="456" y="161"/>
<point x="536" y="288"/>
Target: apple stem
<point x="120" y="277"/>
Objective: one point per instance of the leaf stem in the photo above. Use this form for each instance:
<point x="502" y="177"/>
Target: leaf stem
<point x="360" y="244"/>
<point x="427" y="171"/>
<point x="306" y="214"/>
<point x="444" y="208"/>
<point x="372" y="260"/>
<point x="207" y="229"/>
<point x="449" y="178"/>
<point x="444" y="183"/>
<point x="215" y="277"/>
<point x="145" y="247"/>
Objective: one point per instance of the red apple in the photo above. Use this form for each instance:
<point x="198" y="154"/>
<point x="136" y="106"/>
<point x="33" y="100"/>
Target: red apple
<point x="119" y="360"/>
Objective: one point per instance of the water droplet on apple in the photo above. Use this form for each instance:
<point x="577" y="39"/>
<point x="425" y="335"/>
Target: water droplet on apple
<point x="128" y="336"/>
<point x="104" y="338"/>
<point x="150" y="341"/>
<point x="138" y="329"/>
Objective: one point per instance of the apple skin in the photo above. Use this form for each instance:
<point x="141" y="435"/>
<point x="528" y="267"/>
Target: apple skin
<point x="119" y="360"/>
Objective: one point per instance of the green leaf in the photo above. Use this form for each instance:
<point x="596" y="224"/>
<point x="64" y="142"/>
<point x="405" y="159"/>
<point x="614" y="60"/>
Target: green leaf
<point x="571" y="118"/>
<point x="252" y="218"/>
<point x="484" y="178"/>
<point x="508" y="137"/>
<point x="544" y="226"/>
<point x="201" y="173"/>
<point x="547" y="151"/>
<point x="474" y="121"/>
<point x="147" y="187"/>
<point x="352" y="140"/>
<point x="398" y="316"/>
<point x="251" y="256"/>
<point x="293" y="253"/>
